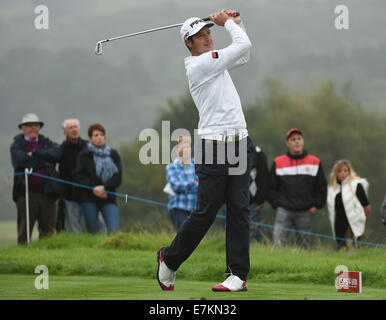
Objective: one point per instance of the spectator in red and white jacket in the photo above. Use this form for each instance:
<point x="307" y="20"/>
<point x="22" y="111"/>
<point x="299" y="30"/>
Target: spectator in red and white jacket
<point x="298" y="188"/>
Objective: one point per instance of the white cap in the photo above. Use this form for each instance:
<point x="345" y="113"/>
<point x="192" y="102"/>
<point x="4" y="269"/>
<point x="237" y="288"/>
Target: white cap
<point x="192" y="25"/>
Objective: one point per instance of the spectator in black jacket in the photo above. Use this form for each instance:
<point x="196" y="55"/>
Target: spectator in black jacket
<point x="31" y="150"/>
<point x="383" y="211"/>
<point x="99" y="166"/>
<point x="258" y="190"/>
<point x="298" y="188"/>
<point x="71" y="148"/>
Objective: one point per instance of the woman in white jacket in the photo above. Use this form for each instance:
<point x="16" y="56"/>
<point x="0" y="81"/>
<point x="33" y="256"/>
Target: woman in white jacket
<point x="347" y="202"/>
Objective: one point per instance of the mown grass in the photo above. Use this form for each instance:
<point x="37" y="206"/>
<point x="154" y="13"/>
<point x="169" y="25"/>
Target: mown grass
<point x="133" y="288"/>
<point x="134" y="254"/>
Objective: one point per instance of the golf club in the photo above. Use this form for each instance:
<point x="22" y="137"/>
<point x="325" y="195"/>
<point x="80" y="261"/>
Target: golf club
<point x="98" y="47"/>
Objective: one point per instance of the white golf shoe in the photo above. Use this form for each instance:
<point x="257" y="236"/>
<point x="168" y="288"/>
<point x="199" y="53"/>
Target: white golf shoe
<point x="232" y="283"/>
<point x="165" y="276"/>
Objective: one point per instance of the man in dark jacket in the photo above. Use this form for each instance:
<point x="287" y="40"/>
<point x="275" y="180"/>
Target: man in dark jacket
<point x="383" y="211"/>
<point x="31" y="150"/>
<point x="258" y="190"/>
<point x="298" y="188"/>
<point x="71" y="148"/>
<point x="99" y="166"/>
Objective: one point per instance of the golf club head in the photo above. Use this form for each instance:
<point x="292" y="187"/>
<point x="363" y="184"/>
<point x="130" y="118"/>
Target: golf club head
<point x="98" y="48"/>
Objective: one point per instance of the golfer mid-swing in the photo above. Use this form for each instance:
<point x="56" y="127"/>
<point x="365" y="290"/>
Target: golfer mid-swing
<point x="221" y="127"/>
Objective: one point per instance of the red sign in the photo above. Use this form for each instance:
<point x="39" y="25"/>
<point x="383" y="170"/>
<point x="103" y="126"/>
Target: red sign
<point x="349" y="281"/>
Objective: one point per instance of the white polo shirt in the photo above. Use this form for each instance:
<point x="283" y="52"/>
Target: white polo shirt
<point x="211" y="86"/>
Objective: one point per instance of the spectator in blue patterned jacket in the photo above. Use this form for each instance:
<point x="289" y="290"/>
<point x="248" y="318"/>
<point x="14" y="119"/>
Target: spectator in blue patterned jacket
<point x="183" y="182"/>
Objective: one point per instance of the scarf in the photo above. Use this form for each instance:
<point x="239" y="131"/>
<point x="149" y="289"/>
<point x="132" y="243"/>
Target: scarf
<point x="104" y="165"/>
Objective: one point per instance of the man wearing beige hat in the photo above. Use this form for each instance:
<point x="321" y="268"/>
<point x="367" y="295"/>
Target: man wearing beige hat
<point x="31" y="150"/>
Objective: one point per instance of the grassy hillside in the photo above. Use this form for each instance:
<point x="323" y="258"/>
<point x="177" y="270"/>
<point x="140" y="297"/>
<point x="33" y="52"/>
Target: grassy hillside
<point x="134" y="255"/>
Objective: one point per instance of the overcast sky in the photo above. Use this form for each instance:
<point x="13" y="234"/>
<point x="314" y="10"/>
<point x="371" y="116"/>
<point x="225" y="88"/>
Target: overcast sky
<point x="294" y="40"/>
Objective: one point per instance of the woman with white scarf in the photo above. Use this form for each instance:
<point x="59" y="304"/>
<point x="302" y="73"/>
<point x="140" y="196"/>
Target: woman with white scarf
<point x="347" y="202"/>
<point x="99" y="166"/>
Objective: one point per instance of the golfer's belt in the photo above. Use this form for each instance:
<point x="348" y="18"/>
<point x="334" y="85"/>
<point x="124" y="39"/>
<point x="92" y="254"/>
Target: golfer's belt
<point x="225" y="137"/>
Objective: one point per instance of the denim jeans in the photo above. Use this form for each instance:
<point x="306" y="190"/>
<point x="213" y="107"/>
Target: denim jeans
<point x="109" y="212"/>
<point x="73" y="216"/>
<point x="286" y="219"/>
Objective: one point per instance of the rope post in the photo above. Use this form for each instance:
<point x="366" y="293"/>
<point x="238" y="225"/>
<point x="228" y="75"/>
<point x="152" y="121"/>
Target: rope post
<point x="26" y="173"/>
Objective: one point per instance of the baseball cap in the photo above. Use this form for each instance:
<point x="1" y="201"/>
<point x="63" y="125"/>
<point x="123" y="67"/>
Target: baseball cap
<point x="192" y="25"/>
<point x="292" y="131"/>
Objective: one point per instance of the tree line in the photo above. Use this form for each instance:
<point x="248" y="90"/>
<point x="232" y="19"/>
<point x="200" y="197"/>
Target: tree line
<point x="335" y="126"/>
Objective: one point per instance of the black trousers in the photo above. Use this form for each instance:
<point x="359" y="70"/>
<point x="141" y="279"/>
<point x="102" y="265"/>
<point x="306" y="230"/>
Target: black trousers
<point x="216" y="187"/>
<point x="42" y="207"/>
<point x="343" y="230"/>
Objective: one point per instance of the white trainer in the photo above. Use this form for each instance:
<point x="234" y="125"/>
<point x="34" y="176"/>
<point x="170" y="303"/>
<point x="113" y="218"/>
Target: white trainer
<point x="165" y="276"/>
<point x="232" y="283"/>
